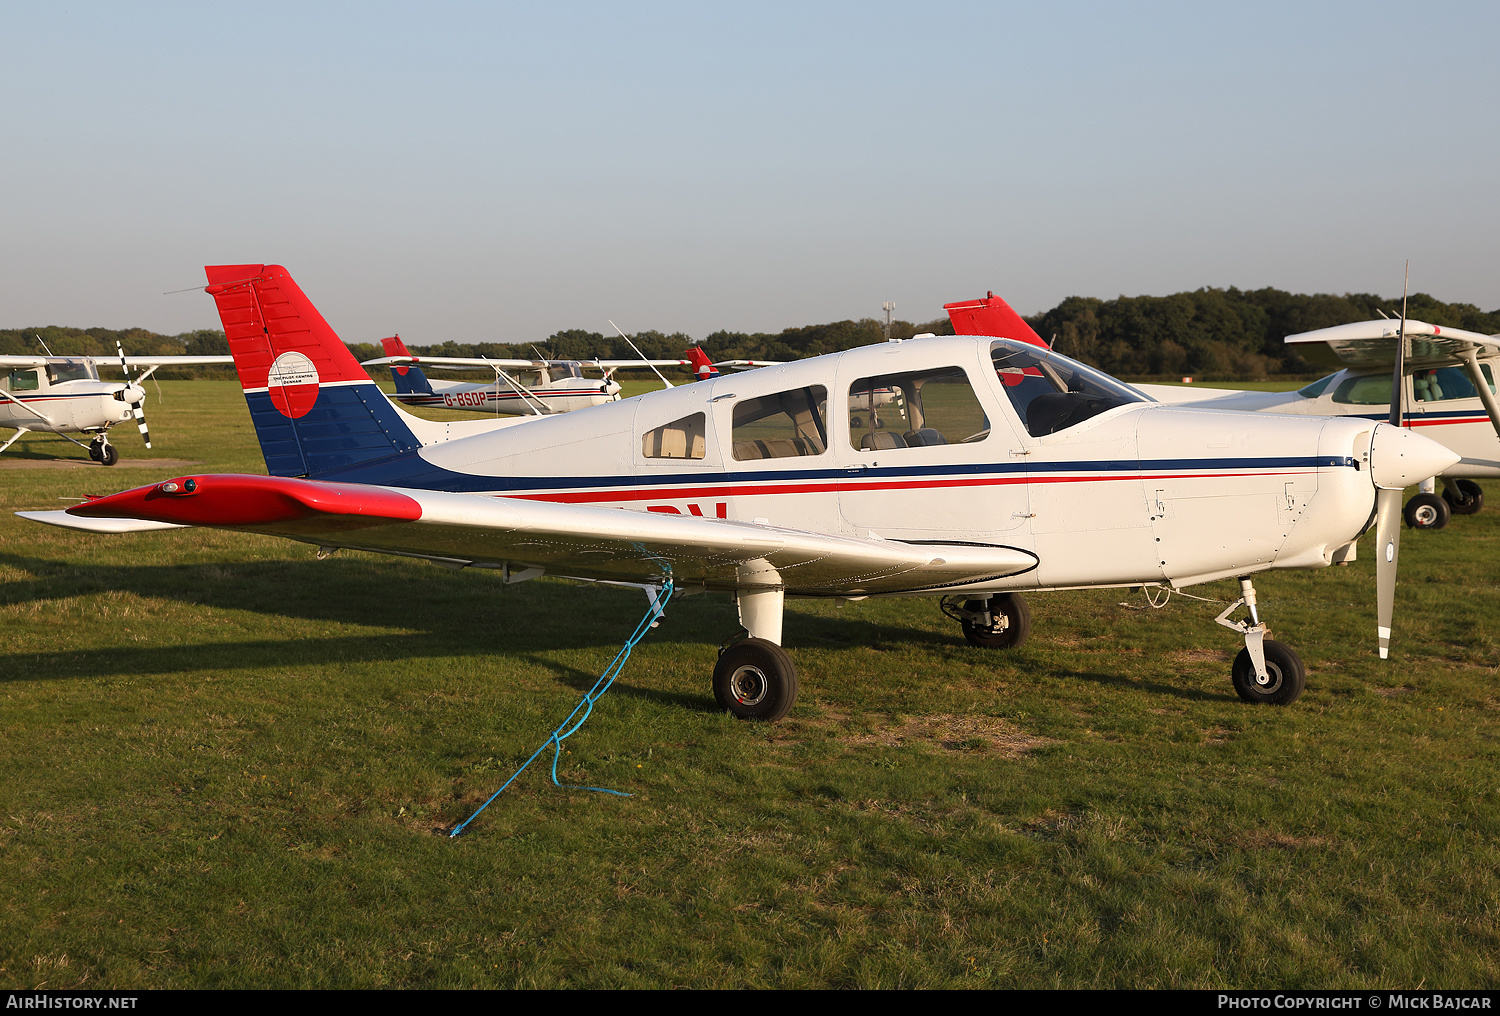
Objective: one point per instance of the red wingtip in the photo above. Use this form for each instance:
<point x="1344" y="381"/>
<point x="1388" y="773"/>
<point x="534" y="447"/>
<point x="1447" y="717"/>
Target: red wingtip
<point x="246" y="500"/>
<point x="991" y="316"/>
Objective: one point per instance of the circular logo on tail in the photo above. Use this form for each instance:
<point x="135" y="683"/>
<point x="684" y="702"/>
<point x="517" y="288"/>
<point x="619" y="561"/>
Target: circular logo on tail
<point x="293" y="384"/>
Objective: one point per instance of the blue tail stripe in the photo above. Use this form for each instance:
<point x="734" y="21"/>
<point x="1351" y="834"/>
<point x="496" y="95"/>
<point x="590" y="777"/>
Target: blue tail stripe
<point x="348" y="426"/>
<point x="413" y="382"/>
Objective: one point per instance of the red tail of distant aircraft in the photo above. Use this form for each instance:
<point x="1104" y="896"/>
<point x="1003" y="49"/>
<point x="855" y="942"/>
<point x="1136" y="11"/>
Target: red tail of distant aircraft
<point x="703" y="367"/>
<point x="991" y="316"/>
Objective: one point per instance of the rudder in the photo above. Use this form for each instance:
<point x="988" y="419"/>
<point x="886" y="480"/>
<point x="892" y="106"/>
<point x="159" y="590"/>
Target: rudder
<point x="313" y="406"/>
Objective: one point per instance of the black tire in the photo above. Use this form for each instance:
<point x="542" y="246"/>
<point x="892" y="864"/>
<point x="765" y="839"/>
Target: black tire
<point x="1284" y="669"/>
<point x="109" y="455"/>
<point x="1012" y="622"/>
<point x="1426" y="511"/>
<point x="94" y="454"/>
<point x="1464" y="497"/>
<point x="755" y="680"/>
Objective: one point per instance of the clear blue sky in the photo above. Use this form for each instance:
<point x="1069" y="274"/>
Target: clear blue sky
<point x="497" y="172"/>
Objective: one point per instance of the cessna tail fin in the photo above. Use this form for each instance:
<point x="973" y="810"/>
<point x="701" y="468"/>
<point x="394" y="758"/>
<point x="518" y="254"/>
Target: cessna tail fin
<point x="313" y="406"/>
<point x="991" y="316"/>
<point x="703" y="367"/>
<point x="409" y="378"/>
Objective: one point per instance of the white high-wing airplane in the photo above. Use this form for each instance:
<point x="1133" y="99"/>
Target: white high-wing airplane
<point x="543" y="387"/>
<point x="1448" y="392"/>
<point x="63" y="395"/>
<point x="1022" y="471"/>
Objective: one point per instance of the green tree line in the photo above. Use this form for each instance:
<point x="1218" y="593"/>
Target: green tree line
<point x="1208" y="333"/>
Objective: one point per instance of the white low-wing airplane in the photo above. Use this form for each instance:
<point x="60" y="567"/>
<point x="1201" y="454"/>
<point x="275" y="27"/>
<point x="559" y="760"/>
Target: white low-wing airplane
<point x="542" y="387"/>
<point x="1447" y="392"/>
<point x="63" y="395"/>
<point x="1022" y="470"/>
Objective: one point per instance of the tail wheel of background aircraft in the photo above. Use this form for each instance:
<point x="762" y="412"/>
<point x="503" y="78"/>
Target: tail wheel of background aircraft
<point x="1426" y="511"/>
<point x="755" y="680"/>
<point x="1464" y="497"/>
<point x="1285" y="675"/>
<point x="1010" y="621"/>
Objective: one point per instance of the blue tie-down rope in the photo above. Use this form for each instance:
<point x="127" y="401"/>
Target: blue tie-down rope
<point x="585" y="706"/>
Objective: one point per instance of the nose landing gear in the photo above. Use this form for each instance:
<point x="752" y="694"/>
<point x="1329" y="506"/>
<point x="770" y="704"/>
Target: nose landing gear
<point x="100" y="450"/>
<point x="1001" y="621"/>
<point x="1265" y="671"/>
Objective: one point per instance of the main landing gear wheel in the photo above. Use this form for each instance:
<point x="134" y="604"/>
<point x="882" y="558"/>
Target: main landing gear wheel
<point x="1009" y="621"/>
<point x="755" y="680"/>
<point x="1426" y="511"/>
<point x="1285" y="675"/>
<point x="1464" y="497"/>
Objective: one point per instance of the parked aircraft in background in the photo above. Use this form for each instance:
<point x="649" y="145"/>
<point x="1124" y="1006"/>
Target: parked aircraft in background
<point x="1447" y="389"/>
<point x="542" y="387"/>
<point x="1023" y="471"/>
<point x="63" y="395"/>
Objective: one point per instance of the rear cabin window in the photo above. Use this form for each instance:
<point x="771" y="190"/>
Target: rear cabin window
<point x="915" y="409"/>
<point x="21" y="381"/>
<point x="1448" y="383"/>
<point x="680" y="439"/>
<point x="783" y="425"/>
<point x="1052" y="393"/>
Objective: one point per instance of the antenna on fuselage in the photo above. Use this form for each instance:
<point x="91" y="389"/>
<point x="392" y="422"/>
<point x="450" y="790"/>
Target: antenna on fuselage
<point x="641" y="355"/>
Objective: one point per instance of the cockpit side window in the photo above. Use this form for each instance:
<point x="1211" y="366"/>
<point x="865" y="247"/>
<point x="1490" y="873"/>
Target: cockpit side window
<point x="1370" y="390"/>
<point x="782" y="425"/>
<point x="1051" y="392"/>
<point x="915" y="409"/>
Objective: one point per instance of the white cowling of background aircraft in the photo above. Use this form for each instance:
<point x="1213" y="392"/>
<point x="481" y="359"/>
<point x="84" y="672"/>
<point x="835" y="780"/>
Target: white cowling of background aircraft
<point x="63" y="395"/>
<point x="1019" y="470"/>
<point x="1447" y="392"/>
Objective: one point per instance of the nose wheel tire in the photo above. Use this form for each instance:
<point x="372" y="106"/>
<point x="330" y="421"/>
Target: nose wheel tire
<point x="1464" y="497"/>
<point x="1285" y="676"/>
<point x="1426" y="511"/>
<point x="1009" y="625"/>
<point x="109" y="455"/>
<point x="755" y="680"/>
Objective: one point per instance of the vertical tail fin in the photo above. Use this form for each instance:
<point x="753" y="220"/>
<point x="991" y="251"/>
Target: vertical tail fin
<point x="409" y="378"/>
<point x="313" y="406"/>
<point x="703" y="368"/>
<point x="991" y="316"/>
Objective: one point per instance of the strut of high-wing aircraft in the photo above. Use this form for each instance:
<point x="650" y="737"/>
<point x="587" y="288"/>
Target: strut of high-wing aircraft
<point x="969" y="469"/>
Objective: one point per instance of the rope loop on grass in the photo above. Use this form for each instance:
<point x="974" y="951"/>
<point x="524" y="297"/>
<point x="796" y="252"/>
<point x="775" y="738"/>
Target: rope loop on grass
<point x="585" y="706"/>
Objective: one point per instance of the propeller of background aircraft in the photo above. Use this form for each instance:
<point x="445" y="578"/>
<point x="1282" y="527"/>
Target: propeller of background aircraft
<point x="138" y="405"/>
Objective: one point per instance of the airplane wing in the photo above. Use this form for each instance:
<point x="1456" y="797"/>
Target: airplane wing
<point x="747" y="364"/>
<point x="1373" y="344"/>
<point x="577" y="541"/>
<point x="114" y="361"/>
<point x="163" y="361"/>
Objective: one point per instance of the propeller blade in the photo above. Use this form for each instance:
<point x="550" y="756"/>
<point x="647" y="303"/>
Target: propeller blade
<point x="137" y="408"/>
<point x="1387" y="554"/>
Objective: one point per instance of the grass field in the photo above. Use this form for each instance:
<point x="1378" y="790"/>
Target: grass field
<point x="228" y="764"/>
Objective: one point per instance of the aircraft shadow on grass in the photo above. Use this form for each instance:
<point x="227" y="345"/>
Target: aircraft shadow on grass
<point x="436" y="618"/>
